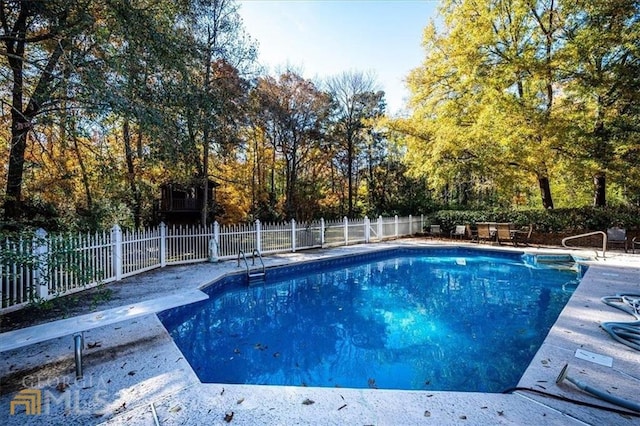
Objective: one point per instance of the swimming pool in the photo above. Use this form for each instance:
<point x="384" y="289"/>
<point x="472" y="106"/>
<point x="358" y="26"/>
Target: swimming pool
<point x="416" y="319"/>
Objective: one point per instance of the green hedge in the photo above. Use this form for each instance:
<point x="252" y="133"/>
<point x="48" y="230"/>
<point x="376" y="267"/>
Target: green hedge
<point x="557" y="220"/>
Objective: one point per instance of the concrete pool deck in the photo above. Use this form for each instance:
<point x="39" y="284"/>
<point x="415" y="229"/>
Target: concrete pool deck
<point x="135" y="374"/>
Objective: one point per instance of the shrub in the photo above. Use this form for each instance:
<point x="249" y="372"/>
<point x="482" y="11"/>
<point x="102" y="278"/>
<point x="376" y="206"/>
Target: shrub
<point x="559" y="220"/>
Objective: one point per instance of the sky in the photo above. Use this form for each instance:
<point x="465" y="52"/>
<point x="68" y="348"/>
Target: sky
<point x="322" y="38"/>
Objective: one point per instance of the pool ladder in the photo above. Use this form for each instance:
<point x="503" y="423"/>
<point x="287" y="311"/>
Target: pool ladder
<point x="253" y="274"/>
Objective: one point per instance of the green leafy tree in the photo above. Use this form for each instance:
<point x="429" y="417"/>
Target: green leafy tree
<point x="512" y="92"/>
<point x="485" y="96"/>
<point x="602" y="75"/>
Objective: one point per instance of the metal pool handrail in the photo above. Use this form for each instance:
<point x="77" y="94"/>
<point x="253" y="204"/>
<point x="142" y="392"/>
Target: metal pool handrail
<point x="255" y="253"/>
<point x="241" y="255"/>
<point x="588" y="234"/>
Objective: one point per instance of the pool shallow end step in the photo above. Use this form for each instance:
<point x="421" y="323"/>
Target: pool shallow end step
<point x="535" y="258"/>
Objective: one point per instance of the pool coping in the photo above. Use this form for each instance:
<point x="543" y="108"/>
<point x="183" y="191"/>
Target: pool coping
<point x="140" y="374"/>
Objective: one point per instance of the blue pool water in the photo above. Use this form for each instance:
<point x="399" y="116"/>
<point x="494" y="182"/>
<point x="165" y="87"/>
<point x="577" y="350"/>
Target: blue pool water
<point x="428" y="319"/>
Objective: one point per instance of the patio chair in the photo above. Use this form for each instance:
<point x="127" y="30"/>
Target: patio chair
<point x="459" y="232"/>
<point x="505" y="233"/>
<point x="484" y="232"/>
<point x="635" y="243"/>
<point x="617" y="237"/>
<point x="435" y="231"/>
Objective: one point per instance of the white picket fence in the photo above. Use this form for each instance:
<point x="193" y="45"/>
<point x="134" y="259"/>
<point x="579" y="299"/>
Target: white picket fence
<point x="48" y="266"/>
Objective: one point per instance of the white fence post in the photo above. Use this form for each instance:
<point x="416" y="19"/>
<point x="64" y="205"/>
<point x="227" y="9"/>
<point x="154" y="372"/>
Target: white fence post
<point x="410" y="225"/>
<point x="293" y="235"/>
<point x="163" y="244"/>
<point x="40" y="250"/>
<point x="321" y="232"/>
<point x="116" y="241"/>
<point x="258" y="236"/>
<point x="380" y="229"/>
<point x="396" y="223"/>
<point x="367" y="229"/>
<point x="346" y="231"/>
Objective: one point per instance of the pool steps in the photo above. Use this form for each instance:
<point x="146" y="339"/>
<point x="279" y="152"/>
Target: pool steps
<point x="567" y="261"/>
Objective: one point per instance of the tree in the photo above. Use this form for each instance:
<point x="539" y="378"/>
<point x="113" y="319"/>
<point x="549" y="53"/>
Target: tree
<point x="487" y="88"/>
<point x="70" y="56"/>
<point x="213" y="90"/>
<point x="139" y="50"/>
<point x="512" y="91"/>
<point x="603" y="83"/>
<point x="356" y="100"/>
<point x="293" y="119"/>
<point x="37" y="37"/>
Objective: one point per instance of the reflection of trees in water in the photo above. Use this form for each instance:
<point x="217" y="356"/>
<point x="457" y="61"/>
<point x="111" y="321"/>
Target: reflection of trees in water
<point x="341" y="323"/>
<point x="496" y="312"/>
<point x="248" y="333"/>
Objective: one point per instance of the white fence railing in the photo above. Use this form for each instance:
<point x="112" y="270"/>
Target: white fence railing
<point x="47" y="266"/>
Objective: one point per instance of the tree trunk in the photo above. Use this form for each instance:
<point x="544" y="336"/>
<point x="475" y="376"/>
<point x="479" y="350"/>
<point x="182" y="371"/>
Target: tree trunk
<point x="463" y="194"/>
<point x="350" y="176"/>
<point x="204" y="213"/>
<point x="291" y="183"/>
<point x="13" y="198"/>
<point x="370" y="183"/>
<point x="545" y="192"/>
<point x="273" y="196"/>
<point x="83" y="171"/>
<point x="205" y="178"/>
<point x="131" y="173"/>
<point x="599" y="196"/>
<point x="21" y="119"/>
